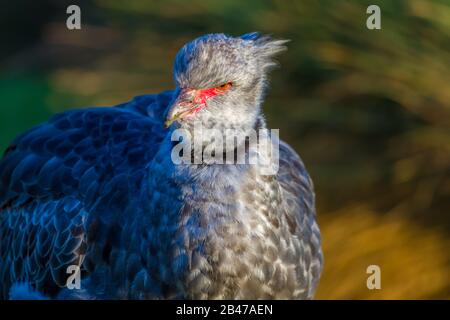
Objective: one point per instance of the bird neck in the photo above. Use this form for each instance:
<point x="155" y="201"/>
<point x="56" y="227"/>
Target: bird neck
<point x="222" y="156"/>
<point x="199" y="144"/>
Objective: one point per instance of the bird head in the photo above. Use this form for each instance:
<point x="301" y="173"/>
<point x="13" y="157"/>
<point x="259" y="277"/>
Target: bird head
<point x="220" y="80"/>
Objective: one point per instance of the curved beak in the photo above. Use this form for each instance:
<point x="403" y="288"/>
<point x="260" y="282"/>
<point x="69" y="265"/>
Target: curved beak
<point x="189" y="102"/>
<point x="184" y="105"/>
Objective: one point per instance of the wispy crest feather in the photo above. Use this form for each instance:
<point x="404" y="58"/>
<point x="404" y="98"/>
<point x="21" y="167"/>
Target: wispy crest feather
<point x="265" y="47"/>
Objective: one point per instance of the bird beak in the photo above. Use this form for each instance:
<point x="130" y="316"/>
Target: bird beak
<point x="185" y="104"/>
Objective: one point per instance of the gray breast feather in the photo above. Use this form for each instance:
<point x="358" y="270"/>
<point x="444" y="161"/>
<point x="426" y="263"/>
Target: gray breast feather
<point x="79" y="190"/>
<point x="299" y="206"/>
<point x="283" y="216"/>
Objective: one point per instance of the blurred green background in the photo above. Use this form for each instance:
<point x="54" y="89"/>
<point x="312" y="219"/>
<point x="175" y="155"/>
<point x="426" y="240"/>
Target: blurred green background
<point x="368" y="110"/>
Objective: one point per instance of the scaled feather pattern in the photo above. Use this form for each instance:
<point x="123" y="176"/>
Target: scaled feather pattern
<point x="97" y="188"/>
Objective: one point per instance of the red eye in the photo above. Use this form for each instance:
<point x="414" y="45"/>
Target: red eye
<point x="225" y="87"/>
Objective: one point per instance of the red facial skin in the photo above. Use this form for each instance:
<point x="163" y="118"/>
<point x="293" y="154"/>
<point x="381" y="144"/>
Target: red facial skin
<point x="204" y="94"/>
<point x="191" y="101"/>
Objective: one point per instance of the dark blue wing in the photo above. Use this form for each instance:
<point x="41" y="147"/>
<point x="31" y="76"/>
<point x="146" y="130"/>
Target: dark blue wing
<point x="62" y="179"/>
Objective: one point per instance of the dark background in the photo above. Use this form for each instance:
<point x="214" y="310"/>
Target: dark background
<point x="368" y="110"/>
